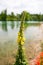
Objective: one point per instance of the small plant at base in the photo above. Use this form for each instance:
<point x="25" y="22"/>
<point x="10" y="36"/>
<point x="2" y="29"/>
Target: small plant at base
<point x="41" y="56"/>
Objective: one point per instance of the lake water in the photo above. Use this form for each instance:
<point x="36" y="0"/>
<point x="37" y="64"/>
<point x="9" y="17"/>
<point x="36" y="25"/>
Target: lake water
<point x="33" y="33"/>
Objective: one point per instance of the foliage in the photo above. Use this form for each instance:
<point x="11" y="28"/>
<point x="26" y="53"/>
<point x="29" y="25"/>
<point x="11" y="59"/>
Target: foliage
<point x="3" y="15"/>
<point x="17" y="17"/>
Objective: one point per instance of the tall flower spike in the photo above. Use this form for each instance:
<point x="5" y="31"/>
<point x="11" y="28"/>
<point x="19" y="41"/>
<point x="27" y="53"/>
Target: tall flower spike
<point x="20" y="58"/>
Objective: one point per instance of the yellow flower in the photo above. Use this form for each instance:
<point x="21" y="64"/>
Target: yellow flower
<point x="19" y="39"/>
<point x="23" y="39"/>
<point x="22" y="42"/>
<point x="18" y="33"/>
<point x="23" y="48"/>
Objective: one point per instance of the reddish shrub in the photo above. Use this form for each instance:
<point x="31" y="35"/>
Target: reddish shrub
<point x="38" y="59"/>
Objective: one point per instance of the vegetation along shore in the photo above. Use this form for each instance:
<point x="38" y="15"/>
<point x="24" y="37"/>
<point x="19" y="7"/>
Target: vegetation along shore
<point x="12" y="17"/>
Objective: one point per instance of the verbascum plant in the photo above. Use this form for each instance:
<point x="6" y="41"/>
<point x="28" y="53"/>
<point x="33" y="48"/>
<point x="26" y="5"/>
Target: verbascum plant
<point x="20" y="58"/>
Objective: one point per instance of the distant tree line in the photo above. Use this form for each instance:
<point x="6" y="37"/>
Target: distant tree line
<point x="3" y="15"/>
<point x="17" y="17"/>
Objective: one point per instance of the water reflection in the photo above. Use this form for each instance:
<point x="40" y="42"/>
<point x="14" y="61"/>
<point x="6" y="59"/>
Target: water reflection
<point x="4" y="25"/>
<point x="17" y="24"/>
<point x="12" y="24"/>
<point x="27" y="24"/>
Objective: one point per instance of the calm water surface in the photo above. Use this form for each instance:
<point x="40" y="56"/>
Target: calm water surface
<point x="9" y="30"/>
<point x="33" y="33"/>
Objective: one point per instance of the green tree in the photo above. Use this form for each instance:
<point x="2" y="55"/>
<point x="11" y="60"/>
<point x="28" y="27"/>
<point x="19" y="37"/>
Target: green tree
<point x="4" y="15"/>
<point x="12" y="16"/>
<point x="18" y="17"/>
